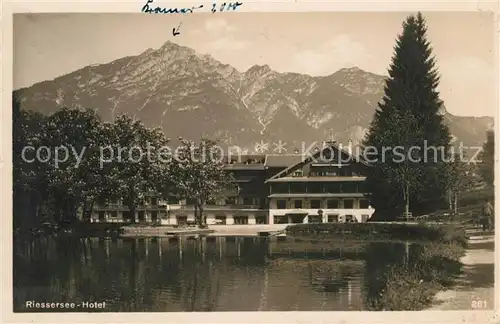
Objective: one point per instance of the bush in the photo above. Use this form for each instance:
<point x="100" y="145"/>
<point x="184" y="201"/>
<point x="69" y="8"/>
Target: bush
<point x="404" y="290"/>
<point x="394" y="231"/>
<point x="413" y="286"/>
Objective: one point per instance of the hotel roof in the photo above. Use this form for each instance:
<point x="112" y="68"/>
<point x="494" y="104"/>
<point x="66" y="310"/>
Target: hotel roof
<point x="283" y="160"/>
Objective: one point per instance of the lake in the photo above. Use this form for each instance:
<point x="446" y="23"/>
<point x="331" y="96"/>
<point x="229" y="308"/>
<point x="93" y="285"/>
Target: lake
<point x="217" y="274"/>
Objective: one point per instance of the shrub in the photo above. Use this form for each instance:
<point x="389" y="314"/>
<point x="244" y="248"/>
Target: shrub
<point x="412" y="286"/>
<point x="398" y="231"/>
<point x="404" y="290"/>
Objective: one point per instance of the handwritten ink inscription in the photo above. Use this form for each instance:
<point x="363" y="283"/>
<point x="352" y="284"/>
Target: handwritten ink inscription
<point x="159" y="10"/>
<point x="231" y="6"/>
<point x="225" y="6"/>
<point x="175" y="31"/>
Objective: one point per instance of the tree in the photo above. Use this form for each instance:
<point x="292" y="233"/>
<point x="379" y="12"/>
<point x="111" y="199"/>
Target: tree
<point x="199" y="175"/>
<point x="406" y="123"/>
<point x="73" y="136"/>
<point x="133" y="162"/>
<point x="460" y="179"/>
<point x="487" y="158"/>
<point x="29" y="176"/>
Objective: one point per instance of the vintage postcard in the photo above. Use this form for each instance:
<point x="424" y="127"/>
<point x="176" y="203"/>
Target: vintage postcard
<point x="216" y="162"/>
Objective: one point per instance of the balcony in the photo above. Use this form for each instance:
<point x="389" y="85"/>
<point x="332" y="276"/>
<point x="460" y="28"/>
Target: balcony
<point x="123" y="207"/>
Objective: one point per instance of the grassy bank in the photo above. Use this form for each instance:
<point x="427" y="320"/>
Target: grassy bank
<point x="381" y="231"/>
<point x="398" y="279"/>
<point x="413" y="286"/>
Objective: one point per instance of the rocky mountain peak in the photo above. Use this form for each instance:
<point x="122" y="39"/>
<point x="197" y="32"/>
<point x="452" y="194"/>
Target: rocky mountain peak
<point x="193" y="95"/>
<point x="258" y="70"/>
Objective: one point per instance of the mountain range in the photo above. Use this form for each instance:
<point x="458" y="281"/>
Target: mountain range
<point x="193" y="95"/>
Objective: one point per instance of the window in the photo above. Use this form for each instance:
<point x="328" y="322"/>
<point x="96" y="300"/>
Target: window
<point x="332" y="204"/>
<point x="279" y="188"/>
<point x="364" y="203"/>
<point x="314" y="219"/>
<point x="261" y="219"/>
<point x="220" y="220"/>
<point x="247" y="201"/>
<point x="127" y="215"/>
<point x="182" y="220"/>
<point x="297" y="203"/>
<point x="281" y="204"/>
<point x="279" y="220"/>
<point x="349" y="219"/>
<point x="332" y="187"/>
<point x="154" y="201"/>
<point x="350" y="187"/>
<point x="241" y="220"/>
<point x="297" y="173"/>
<point x="316" y="172"/>
<point x="297" y="188"/>
<point x="113" y="214"/>
<point x="314" y="188"/>
<point x="230" y="201"/>
<point x="364" y="218"/>
<point x="315" y="203"/>
<point x="348" y="204"/>
<point x="333" y="218"/>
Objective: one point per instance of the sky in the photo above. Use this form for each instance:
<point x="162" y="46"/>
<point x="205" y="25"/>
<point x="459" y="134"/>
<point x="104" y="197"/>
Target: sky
<point x="315" y="43"/>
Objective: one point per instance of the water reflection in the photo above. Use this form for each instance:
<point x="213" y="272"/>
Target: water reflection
<point x="214" y="274"/>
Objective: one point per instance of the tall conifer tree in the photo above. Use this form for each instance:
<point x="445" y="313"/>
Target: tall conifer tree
<point x="406" y="123"/>
<point x="487" y="158"/>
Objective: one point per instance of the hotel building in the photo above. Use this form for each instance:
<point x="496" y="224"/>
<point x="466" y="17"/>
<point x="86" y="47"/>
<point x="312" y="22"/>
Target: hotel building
<point x="324" y="186"/>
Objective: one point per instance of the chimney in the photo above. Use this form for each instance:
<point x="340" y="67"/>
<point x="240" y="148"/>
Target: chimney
<point x="349" y="146"/>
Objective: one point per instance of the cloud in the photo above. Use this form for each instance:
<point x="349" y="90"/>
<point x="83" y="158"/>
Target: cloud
<point x="218" y="26"/>
<point x="339" y="52"/>
<point x="220" y="37"/>
<point x="228" y="44"/>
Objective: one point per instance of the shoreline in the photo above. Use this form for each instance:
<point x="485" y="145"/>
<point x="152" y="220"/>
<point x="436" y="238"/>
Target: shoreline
<point x="474" y="289"/>
<point x="211" y="230"/>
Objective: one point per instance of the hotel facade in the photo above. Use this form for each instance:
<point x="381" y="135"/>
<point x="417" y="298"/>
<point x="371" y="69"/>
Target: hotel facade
<point x="325" y="186"/>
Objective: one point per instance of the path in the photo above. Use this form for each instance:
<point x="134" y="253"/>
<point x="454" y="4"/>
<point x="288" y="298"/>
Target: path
<point x="477" y="280"/>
